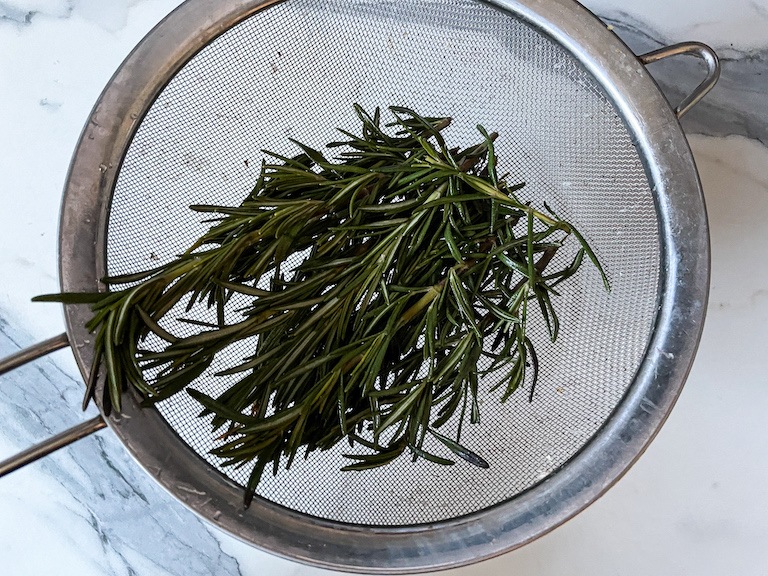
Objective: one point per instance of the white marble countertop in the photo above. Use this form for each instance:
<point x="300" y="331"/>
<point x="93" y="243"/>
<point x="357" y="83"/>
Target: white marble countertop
<point x="695" y="503"/>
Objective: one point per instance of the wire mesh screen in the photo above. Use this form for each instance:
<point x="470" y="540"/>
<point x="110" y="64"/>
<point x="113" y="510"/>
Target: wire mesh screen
<point x="294" y="70"/>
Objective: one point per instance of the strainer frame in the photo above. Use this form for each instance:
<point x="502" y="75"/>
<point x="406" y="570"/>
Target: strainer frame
<point x="683" y="290"/>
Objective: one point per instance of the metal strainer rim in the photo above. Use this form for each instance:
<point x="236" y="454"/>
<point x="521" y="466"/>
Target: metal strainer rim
<point x="683" y="285"/>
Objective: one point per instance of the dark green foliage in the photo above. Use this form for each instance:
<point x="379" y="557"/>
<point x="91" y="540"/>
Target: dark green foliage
<point x="377" y="283"/>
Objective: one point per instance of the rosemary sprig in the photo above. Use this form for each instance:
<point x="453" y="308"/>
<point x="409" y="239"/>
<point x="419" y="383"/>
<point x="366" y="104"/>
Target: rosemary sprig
<point x="377" y="283"/>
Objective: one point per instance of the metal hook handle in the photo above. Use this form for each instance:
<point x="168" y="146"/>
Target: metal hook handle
<point x="697" y="49"/>
<point x="51" y="445"/>
<point x="33" y="352"/>
<point x="59" y="440"/>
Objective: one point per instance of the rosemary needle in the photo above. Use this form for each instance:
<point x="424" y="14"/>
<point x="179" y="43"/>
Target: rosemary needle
<point x="377" y="282"/>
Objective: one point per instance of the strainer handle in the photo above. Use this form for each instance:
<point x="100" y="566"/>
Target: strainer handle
<point x="59" y="440"/>
<point x="51" y="445"/>
<point x="697" y="49"/>
<point x="33" y="352"/>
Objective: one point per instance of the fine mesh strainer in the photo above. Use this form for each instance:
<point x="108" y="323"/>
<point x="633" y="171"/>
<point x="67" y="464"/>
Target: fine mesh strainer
<point x="184" y="120"/>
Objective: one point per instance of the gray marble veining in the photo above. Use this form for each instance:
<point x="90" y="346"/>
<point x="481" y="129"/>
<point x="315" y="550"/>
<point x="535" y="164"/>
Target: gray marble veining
<point x="739" y="102"/>
<point x="109" y="496"/>
<point x="13" y="14"/>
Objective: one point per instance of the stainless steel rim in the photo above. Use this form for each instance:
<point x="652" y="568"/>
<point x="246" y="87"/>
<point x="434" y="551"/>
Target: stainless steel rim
<point x="683" y="288"/>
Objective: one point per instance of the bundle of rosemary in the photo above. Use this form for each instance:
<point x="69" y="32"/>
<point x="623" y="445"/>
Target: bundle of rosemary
<point x="376" y="284"/>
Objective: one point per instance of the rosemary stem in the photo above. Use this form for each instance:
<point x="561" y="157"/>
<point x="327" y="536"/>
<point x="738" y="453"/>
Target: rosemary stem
<point x="422" y="303"/>
<point x="366" y="279"/>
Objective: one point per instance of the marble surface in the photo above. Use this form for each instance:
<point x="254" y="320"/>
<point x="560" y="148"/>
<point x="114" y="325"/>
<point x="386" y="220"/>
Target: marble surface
<point x="695" y="503"/>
